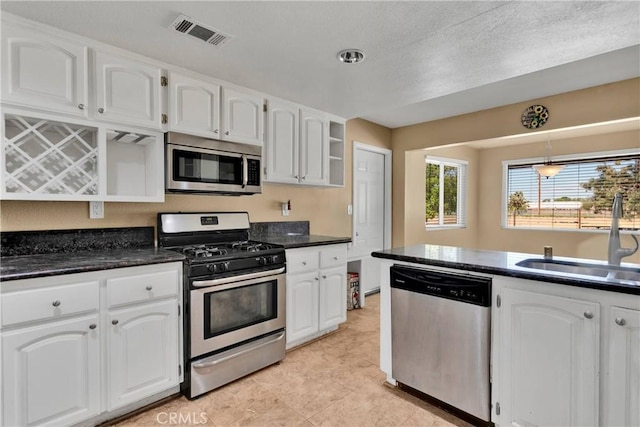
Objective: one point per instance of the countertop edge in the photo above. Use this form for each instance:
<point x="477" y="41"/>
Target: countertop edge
<point x="563" y="280"/>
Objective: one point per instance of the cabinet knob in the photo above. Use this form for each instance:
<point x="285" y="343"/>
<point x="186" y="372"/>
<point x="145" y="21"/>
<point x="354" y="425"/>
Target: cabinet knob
<point x="93" y="326"/>
<point x="304" y="177"/>
<point x="588" y="315"/>
<point x="226" y="133"/>
<point x="324" y="277"/>
<point x="620" y="321"/>
<point x="316" y="278"/>
<point x="215" y="131"/>
<point x="335" y="258"/>
<point x="56" y="303"/>
<point x="149" y="287"/>
<point x="81" y="106"/>
<point x="304" y="262"/>
<point x="114" y="322"/>
<point x="101" y="110"/>
<point x="296" y="177"/>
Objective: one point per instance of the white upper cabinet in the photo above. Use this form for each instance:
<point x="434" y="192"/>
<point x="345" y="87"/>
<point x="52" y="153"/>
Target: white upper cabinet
<point x="282" y="145"/>
<point x="314" y="143"/>
<point x="242" y="116"/>
<point x="194" y="106"/>
<point x="127" y="91"/>
<point x="43" y="71"/>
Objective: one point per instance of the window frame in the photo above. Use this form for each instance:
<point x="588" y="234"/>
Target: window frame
<point x="461" y="192"/>
<point x="504" y="222"/>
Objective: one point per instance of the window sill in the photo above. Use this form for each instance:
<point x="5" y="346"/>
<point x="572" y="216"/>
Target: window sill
<point x="444" y="227"/>
<point x="569" y="230"/>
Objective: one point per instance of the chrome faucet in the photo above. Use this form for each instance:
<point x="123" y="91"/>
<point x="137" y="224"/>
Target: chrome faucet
<point x="616" y="252"/>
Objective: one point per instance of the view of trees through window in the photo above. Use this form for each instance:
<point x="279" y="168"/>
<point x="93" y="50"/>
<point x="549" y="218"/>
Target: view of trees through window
<point x="579" y="197"/>
<point x="443" y="192"/>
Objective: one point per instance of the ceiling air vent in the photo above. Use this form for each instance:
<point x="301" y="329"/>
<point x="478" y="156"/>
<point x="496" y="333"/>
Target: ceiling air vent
<point x="186" y="25"/>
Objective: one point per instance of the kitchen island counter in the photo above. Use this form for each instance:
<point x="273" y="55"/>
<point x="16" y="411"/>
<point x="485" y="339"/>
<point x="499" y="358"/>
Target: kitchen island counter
<point x="504" y="264"/>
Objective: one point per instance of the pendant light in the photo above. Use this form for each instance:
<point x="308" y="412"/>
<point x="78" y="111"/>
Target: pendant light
<point x="548" y="169"/>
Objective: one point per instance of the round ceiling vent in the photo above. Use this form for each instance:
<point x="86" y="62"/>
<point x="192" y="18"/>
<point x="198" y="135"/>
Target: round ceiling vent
<point x="351" y="56"/>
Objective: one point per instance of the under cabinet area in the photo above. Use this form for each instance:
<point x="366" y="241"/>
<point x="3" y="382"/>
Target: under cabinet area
<point x="44" y="158"/>
<point x="316" y="291"/>
<point x="89" y="346"/>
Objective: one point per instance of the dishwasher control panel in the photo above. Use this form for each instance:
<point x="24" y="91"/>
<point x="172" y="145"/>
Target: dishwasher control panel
<point x="460" y="287"/>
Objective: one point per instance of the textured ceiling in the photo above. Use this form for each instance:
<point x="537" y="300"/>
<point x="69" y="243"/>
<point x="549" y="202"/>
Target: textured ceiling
<point x="425" y="60"/>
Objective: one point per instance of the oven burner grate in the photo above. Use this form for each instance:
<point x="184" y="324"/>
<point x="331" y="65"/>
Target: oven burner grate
<point x="204" y="251"/>
<point x="248" y="246"/>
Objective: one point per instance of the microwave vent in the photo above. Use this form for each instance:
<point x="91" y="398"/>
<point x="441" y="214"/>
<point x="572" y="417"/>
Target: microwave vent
<point x="185" y="25"/>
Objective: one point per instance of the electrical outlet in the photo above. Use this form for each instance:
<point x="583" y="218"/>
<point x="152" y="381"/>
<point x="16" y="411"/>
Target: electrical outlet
<point x="96" y="210"/>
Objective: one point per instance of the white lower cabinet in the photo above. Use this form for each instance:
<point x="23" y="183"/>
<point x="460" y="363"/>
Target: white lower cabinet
<point x="549" y="360"/>
<point x="316" y="291"/>
<point x="75" y="347"/>
<point x="51" y="373"/>
<point x="621" y="403"/>
<point x="564" y="355"/>
<point x="142" y="351"/>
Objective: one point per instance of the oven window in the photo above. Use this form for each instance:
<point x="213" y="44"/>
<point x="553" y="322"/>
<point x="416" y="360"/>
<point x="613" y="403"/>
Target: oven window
<point x="203" y="167"/>
<point x="232" y="309"/>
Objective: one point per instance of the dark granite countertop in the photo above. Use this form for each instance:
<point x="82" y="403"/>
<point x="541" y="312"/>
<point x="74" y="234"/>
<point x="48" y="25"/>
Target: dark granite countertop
<point x="291" y="241"/>
<point x="53" y="264"/>
<point x="504" y="264"/>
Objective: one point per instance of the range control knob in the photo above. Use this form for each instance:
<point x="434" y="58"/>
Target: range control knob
<point x="224" y="266"/>
<point x="275" y="259"/>
<point x="211" y="268"/>
<point x="263" y="260"/>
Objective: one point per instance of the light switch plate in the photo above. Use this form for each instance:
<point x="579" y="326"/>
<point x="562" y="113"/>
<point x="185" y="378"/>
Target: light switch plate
<point x="350" y="210"/>
<point x="96" y="210"/>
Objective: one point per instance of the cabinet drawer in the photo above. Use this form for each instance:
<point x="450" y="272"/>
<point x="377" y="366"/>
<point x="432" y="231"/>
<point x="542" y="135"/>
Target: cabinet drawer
<point x="333" y="256"/>
<point x="302" y="260"/>
<point x="141" y="287"/>
<point x="50" y="302"/>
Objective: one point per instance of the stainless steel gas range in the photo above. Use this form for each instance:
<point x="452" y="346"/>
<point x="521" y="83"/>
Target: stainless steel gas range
<point x="234" y="297"/>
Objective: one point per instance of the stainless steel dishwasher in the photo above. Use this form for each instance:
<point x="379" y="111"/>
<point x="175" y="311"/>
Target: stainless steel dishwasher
<point x="440" y="336"/>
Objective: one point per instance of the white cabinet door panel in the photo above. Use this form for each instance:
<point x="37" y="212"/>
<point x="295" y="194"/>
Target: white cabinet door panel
<point x="127" y="91"/>
<point x="333" y="297"/>
<point x="302" y="305"/>
<point x="550" y="359"/>
<point x="194" y="106"/>
<point x="622" y="389"/>
<point x="143" y="353"/>
<point x="51" y="373"/>
<point x="283" y="132"/>
<point x="43" y="71"/>
<point x="242" y="117"/>
<point x="314" y="141"/>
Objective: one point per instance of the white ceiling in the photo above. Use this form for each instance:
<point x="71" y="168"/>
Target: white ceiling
<point x="425" y="60"/>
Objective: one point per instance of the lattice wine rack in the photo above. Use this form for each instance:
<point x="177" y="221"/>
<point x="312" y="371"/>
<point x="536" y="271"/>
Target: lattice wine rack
<point x="49" y="157"/>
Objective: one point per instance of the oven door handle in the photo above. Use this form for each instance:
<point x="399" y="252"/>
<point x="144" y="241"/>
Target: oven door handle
<point x="216" y="282"/>
<point x="245" y="171"/>
<point x="240" y="353"/>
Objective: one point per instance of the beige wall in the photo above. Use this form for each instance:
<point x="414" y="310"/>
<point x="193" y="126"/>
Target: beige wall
<point x="325" y="208"/>
<point x="415" y="231"/>
<point x="598" y="104"/>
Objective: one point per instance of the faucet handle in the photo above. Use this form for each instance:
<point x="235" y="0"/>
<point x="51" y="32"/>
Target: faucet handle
<point x="631" y="251"/>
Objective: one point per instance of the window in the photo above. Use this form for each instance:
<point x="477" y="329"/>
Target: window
<point x="446" y="183"/>
<point x="578" y="198"/>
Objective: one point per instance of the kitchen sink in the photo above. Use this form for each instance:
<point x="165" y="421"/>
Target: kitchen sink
<point x="586" y="269"/>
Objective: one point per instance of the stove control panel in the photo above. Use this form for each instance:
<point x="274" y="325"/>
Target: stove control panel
<point x="218" y="267"/>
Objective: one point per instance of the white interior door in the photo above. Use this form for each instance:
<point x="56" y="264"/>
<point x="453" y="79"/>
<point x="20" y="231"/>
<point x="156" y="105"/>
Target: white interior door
<point x="371" y="211"/>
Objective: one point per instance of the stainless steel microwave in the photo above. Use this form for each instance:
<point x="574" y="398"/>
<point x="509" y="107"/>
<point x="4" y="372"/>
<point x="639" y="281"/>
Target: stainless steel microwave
<point x="200" y="165"/>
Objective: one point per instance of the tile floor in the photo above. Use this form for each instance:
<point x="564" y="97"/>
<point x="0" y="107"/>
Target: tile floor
<point x="334" y="381"/>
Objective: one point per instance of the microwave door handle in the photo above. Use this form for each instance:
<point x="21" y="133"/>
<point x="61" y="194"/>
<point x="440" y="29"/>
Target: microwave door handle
<point x="245" y="171"/>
